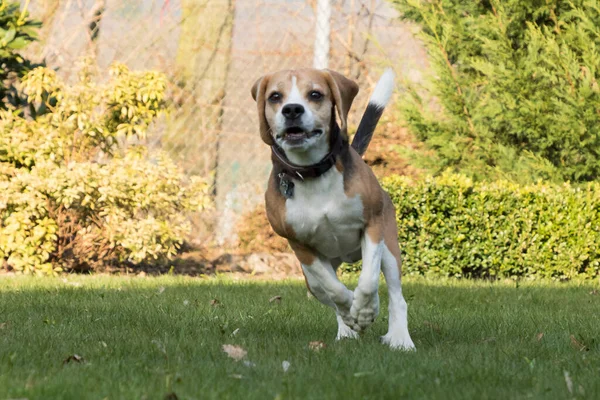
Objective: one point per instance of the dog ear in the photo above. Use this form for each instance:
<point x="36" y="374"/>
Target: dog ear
<point x="258" y="94"/>
<point x="343" y="90"/>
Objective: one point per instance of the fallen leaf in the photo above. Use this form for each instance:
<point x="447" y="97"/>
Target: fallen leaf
<point x="161" y="289"/>
<point x="104" y="344"/>
<point x="579" y="345"/>
<point x="160" y="346"/>
<point x="3" y="325"/>
<point x="235" y="352"/>
<point x="275" y="298"/>
<point x="285" y="365"/>
<point x="186" y="302"/>
<point x="539" y="336"/>
<point x="215" y="302"/>
<point x="594" y="292"/>
<point x="74" y="358"/>
<point x="235" y="332"/>
<point x="432" y="326"/>
<point x="171" y="396"/>
<point x="568" y="381"/>
<point x="316" y="345"/>
<point x="363" y="373"/>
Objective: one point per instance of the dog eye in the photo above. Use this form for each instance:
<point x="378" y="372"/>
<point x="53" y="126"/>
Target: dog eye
<point x="314" y="95"/>
<point x="275" y="97"/>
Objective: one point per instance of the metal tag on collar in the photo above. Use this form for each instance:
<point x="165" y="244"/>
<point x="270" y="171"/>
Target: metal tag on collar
<point x="286" y="186"/>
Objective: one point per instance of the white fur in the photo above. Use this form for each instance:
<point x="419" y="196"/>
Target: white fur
<point x="397" y="336"/>
<point x="384" y="89"/>
<point x="326" y="287"/>
<point x="323" y="217"/>
<point x="344" y="331"/>
<point x="365" y="306"/>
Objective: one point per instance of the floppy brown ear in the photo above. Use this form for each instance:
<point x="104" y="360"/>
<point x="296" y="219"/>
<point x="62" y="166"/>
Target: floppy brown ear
<point x="258" y="94"/>
<point x="343" y="90"/>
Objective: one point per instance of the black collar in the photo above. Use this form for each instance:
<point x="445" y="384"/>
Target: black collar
<point x="301" y="172"/>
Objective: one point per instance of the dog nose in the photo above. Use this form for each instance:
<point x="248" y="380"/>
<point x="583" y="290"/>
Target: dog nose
<point x="292" y="111"/>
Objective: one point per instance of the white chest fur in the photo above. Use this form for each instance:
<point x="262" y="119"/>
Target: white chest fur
<point x="324" y="217"/>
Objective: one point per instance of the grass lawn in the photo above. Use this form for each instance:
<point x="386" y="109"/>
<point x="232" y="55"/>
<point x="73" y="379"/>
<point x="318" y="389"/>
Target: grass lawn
<point x="151" y="337"/>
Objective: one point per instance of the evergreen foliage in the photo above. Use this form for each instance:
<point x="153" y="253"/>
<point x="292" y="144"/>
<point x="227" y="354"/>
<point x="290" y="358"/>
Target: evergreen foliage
<point x="514" y="92"/>
<point x="17" y="30"/>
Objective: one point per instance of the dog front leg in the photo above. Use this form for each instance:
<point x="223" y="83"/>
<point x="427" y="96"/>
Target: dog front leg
<point x="365" y="306"/>
<point x="325" y="285"/>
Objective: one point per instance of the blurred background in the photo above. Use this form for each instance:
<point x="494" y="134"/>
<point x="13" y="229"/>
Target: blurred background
<point x="490" y="149"/>
<point x="212" y="52"/>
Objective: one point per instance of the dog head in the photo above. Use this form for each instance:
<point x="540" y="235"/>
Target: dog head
<point x="297" y="110"/>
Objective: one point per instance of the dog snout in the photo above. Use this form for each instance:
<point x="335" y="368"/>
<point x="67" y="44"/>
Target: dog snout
<point x="292" y="111"/>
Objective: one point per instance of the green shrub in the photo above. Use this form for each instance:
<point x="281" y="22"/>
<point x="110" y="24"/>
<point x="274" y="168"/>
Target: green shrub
<point x="72" y="197"/>
<point x="451" y="226"/>
<point x="514" y="92"/>
<point x="17" y="30"/>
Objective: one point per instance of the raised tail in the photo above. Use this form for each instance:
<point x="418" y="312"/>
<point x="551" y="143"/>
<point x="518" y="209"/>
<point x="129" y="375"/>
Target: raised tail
<point x="379" y="99"/>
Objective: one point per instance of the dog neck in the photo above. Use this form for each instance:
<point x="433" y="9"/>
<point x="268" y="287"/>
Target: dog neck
<point x="285" y="167"/>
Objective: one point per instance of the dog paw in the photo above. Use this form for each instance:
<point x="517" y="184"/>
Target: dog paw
<point x="345" y="332"/>
<point x="399" y="341"/>
<point x="364" y="310"/>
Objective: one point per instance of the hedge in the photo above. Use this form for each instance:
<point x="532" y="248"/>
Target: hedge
<point x="451" y="226"/>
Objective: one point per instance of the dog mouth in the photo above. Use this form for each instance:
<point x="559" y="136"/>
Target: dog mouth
<point x="296" y="134"/>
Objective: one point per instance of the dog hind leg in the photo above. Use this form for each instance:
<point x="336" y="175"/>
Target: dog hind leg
<point x="397" y="336"/>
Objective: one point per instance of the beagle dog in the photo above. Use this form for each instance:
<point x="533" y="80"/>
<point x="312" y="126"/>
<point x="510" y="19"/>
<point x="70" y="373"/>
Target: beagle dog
<point x="325" y="200"/>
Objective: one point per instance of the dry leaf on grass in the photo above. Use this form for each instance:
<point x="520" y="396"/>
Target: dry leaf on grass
<point x="74" y="358"/>
<point x="275" y="298"/>
<point x="285" y="365"/>
<point x="215" y="303"/>
<point x="235" y="332"/>
<point x="578" y="344"/>
<point x="3" y="325"/>
<point x="568" y="381"/>
<point x="431" y="325"/>
<point x="316" y="345"/>
<point x="539" y="336"/>
<point x="161" y="290"/>
<point x="235" y="352"/>
<point x="594" y="292"/>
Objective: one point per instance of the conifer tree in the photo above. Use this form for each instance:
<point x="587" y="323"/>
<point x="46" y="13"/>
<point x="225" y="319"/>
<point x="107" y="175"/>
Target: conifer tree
<point x="514" y="89"/>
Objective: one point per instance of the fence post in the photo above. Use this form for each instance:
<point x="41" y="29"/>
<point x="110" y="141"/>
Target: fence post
<point x="322" y="29"/>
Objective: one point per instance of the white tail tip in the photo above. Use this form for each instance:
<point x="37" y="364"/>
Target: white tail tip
<point x="384" y="89"/>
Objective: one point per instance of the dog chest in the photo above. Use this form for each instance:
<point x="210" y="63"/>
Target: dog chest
<point x="324" y="217"/>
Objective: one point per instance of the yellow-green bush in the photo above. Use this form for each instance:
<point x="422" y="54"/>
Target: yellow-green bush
<point x="451" y="226"/>
<point x="71" y="197"/>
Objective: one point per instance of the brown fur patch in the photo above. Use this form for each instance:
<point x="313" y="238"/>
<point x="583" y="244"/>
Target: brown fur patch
<point x="390" y="231"/>
<point x="305" y="254"/>
<point x="275" y="205"/>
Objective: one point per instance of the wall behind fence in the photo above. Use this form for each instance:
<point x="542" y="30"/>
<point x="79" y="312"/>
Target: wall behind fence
<point x="213" y="51"/>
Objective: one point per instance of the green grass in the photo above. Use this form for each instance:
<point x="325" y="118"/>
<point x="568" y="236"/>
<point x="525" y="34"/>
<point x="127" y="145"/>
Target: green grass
<point x="475" y="340"/>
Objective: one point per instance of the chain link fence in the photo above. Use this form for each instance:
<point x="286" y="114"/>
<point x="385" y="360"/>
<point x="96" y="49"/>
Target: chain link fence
<point x="213" y="51"/>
